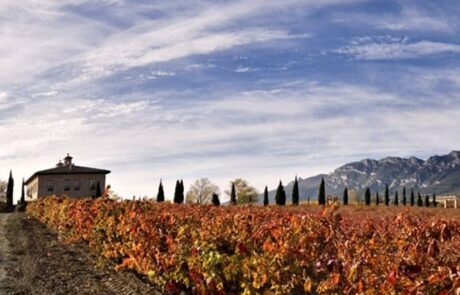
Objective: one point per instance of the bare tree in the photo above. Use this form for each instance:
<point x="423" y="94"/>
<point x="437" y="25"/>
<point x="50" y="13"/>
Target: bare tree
<point x="354" y="197"/>
<point x="3" y="185"/>
<point x="245" y="194"/>
<point x="201" y="192"/>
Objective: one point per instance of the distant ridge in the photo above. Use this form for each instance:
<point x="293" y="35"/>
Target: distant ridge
<point x="438" y="174"/>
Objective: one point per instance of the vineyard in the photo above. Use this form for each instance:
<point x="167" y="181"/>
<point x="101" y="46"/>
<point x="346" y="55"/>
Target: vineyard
<point x="267" y="250"/>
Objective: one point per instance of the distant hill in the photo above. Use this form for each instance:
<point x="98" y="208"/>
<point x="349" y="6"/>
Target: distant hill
<point x="438" y="174"/>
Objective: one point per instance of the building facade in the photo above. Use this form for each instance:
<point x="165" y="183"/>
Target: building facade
<point x="65" y="179"/>
<point x="449" y="201"/>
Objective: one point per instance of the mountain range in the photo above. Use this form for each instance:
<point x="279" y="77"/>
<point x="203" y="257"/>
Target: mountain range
<point x="437" y="174"/>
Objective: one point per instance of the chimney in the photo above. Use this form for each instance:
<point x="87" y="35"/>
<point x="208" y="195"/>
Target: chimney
<point x="59" y="164"/>
<point x="68" y="160"/>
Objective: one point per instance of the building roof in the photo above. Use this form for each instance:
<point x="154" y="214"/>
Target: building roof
<point x="71" y="169"/>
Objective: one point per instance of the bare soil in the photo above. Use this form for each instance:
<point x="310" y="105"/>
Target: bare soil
<point x="5" y="281"/>
<point x="34" y="261"/>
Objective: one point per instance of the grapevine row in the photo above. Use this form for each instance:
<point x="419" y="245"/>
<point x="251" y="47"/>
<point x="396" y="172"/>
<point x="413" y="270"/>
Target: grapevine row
<point x="205" y="249"/>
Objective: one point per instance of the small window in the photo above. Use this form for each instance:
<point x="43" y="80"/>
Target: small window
<point x="50" y="185"/>
<point x="67" y="185"/>
<point x="76" y="185"/>
<point x="92" y="184"/>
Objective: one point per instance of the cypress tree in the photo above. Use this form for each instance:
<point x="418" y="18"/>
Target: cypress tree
<point x="295" y="193"/>
<point x="215" y="199"/>
<point x="427" y="201"/>
<point x="233" y="194"/>
<point x="266" y="196"/>
<point x="9" y="191"/>
<point x="280" y="197"/>
<point x="377" y="199"/>
<point x="396" y="199"/>
<point x="161" y="193"/>
<point x="98" y="190"/>
<point x="435" y="203"/>
<point x="322" y="193"/>
<point x="419" y="200"/>
<point x="23" y="195"/>
<point x="345" y="196"/>
<point x="387" y="195"/>
<point x="367" y="197"/>
<point x="412" y="197"/>
<point x="177" y="193"/>
<point x="404" y="199"/>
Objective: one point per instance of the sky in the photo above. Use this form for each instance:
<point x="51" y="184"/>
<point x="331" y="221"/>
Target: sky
<point x="259" y="89"/>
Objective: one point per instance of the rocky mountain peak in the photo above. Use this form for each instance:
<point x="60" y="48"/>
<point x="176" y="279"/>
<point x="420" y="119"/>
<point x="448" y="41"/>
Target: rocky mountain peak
<point x="438" y="174"/>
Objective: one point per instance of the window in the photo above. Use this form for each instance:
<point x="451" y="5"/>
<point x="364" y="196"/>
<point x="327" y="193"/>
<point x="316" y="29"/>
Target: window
<point x="76" y="185"/>
<point x="67" y="185"/>
<point x="92" y="184"/>
<point x="50" y="185"/>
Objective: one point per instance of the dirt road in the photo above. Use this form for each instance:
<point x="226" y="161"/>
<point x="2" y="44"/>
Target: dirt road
<point x="34" y="261"/>
<point x="5" y="262"/>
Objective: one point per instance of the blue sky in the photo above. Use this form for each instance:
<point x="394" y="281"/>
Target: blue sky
<point x="263" y="90"/>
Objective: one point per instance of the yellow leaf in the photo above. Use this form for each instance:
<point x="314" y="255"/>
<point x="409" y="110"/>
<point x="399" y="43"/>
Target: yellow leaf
<point x="307" y="285"/>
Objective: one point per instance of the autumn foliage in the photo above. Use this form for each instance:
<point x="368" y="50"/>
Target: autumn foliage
<point x="272" y="250"/>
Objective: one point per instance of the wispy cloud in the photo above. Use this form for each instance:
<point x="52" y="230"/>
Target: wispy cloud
<point x="385" y="48"/>
<point x="272" y="133"/>
<point x="406" y="16"/>
<point x="412" y="19"/>
<point x="242" y="69"/>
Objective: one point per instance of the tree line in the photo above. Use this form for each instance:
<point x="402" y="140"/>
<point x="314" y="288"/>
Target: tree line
<point x="240" y="192"/>
<point x="203" y="191"/>
<point x="420" y="201"/>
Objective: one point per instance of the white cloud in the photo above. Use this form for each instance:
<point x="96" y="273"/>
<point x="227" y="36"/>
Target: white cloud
<point x="95" y="109"/>
<point x="163" y="74"/>
<point x="7" y="102"/>
<point x="413" y="18"/>
<point x="384" y="48"/>
<point x="241" y="69"/>
<point x="46" y="93"/>
<point x="3" y="96"/>
<point x="296" y="128"/>
<point x="111" y="58"/>
<point x="85" y="49"/>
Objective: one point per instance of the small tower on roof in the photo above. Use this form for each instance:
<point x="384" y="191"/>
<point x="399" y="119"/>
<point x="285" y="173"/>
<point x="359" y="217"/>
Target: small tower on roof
<point x="68" y="160"/>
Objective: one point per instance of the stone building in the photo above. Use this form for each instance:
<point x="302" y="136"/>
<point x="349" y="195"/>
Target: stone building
<point x="65" y="179"/>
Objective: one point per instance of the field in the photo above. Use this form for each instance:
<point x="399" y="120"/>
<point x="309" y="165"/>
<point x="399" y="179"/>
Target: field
<point x="271" y="250"/>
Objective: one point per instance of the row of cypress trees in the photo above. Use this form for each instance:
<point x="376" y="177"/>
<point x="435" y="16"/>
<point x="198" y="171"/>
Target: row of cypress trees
<point x="420" y="200"/>
<point x="178" y="192"/>
<point x="280" y="196"/>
